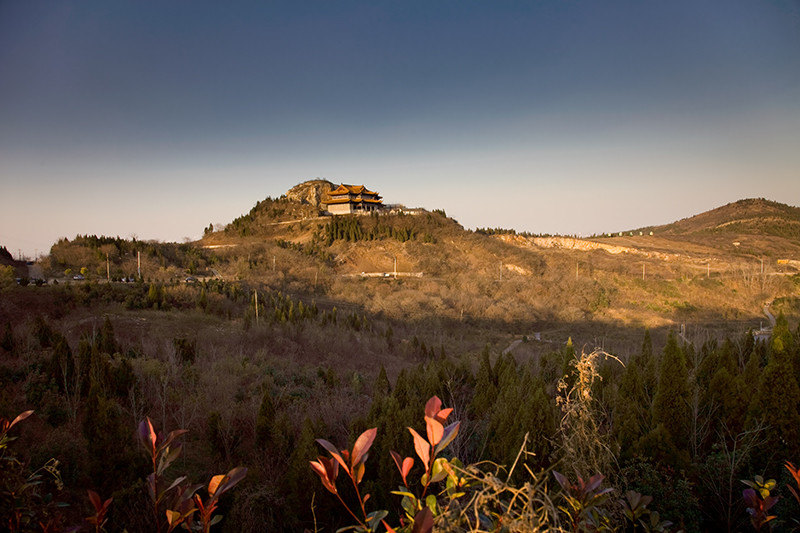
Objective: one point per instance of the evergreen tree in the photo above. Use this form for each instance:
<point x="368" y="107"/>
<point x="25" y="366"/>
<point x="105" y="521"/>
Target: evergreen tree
<point x="202" y="300"/>
<point x="62" y="365"/>
<point x="7" y="340"/>
<point x="109" y="442"/>
<point x="301" y="485"/>
<point x="485" y="387"/>
<point x="777" y="403"/>
<point x="650" y="364"/>
<point x="106" y="342"/>
<point x="632" y="406"/>
<point x="265" y="421"/>
<point x="382" y="387"/>
<point x="671" y="402"/>
<point x="726" y="396"/>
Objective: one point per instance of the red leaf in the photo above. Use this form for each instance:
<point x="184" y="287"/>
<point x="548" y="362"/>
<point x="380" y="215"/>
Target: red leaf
<point x="21" y="417"/>
<point x="327" y="470"/>
<point x="562" y="480"/>
<point x="593" y="483"/>
<point x="403" y="466"/>
<point x="235" y="475"/>
<point x="794" y="471"/>
<point x="423" y="521"/>
<point x="335" y="453"/>
<point x="433" y="406"/>
<point x="450" y="433"/>
<point x="442" y="415"/>
<point x="434" y="429"/>
<point x="362" y="445"/>
<point x="214" y="483"/>
<point x="358" y="472"/>
<point x="422" y="448"/>
<point x="95" y="499"/>
<point x="408" y="463"/>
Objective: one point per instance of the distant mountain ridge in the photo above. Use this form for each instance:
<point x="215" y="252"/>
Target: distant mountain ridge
<point x="752" y="216"/>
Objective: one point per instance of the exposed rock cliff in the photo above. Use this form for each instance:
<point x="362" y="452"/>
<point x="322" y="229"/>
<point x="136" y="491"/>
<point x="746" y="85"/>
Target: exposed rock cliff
<point x="310" y="192"/>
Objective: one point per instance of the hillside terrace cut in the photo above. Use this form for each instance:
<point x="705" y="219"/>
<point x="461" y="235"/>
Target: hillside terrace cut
<point x="348" y="199"/>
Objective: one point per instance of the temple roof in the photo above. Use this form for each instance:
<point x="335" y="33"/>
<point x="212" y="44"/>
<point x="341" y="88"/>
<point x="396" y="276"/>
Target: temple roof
<point x="353" y="200"/>
<point x="351" y="189"/>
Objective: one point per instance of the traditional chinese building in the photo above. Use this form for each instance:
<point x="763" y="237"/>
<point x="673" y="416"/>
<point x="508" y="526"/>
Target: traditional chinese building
<point x="347" y="199"/>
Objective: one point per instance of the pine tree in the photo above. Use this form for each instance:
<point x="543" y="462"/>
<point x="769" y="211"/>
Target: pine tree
<point x="265" y="421"/>
<point x="485" y="386"/>
<point x="7" y="340"/>
<point x="202" y="300"/>
<point x="62" y="365"/>
<point x="777" y="403"/>
<point x="109" y="442"/>
<point x="671" y="402"/>
<point x="649" y="366"/>
<point x="106" y="342"/>
<point x="632" y="407"/>
<point x="727" y="396"/>
<point x="301" y="485"/>
<point x="382" y="387"/>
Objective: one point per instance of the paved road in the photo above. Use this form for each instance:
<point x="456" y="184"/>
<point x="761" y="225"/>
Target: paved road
<point x="512" y="346"/>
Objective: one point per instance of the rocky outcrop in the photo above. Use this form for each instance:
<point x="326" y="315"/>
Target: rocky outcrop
<point x="569" y="243"/>
<point x="310" y="192"/>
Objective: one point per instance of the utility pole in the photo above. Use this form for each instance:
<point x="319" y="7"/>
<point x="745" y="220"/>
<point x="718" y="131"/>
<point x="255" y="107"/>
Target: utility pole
<point x="255" y="295"/>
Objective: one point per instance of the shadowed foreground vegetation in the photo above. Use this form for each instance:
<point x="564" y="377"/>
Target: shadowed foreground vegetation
<point x="680" y="423"/>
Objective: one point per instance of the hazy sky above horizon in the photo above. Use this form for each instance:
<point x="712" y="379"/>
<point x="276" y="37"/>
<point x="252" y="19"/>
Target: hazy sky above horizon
<point x="157" y="118"/>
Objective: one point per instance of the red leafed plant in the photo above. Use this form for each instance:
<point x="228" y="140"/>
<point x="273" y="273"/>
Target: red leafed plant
<point x="352" y="462"/>
<point x="583" y="501"/>
<point x="436" y="468"/>
<point x="759" y="501"/>
<point x="185" y="502"/>
<point x="795" y="472"/>
<point x="98" y="520"/>
<point x="420" y="510"/>
<point x="161" y="455"/>
<point x="218" y="485"/>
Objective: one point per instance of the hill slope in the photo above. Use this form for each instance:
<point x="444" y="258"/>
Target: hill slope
<point x="688" y="270"/>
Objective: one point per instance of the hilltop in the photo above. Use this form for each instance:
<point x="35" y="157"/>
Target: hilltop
<point x="753" y="216"/>
<point x="754" y="227"/>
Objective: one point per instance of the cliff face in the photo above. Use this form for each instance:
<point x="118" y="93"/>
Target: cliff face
<point x="310" y="192"/>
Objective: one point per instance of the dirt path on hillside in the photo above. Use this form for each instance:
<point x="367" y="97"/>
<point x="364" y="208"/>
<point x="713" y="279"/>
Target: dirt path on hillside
<point x="769" y="314"/>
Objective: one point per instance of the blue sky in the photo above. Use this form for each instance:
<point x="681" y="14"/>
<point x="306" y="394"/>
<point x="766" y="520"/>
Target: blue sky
<point x="157" y="118"/>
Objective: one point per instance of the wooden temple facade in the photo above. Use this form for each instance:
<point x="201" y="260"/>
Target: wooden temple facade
<point x="348" y="199"/>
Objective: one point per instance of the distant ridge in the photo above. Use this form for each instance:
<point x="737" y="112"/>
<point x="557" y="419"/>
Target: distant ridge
<point x="752" y="216"/>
